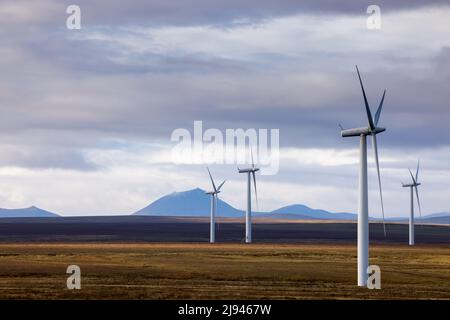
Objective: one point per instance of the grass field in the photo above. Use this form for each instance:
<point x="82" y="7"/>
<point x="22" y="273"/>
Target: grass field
<point x="220" y="271"/>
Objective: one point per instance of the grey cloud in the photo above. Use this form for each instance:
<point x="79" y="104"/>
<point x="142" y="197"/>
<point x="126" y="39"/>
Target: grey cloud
<point x="93" y="57"/>
<point x="51" y="13"/>
<point x="84" y="91"/>
<point x="147" y="106"/>
<point x="42" y="157"/>
<point x="442" y="65"/>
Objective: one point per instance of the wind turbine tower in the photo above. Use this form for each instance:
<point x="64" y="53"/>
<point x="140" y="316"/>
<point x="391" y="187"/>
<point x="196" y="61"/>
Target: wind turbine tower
<point x="248" y="213"/>
<point x="363" y="209"/>
<point x="214" y="196"/>
<point x="413" y="185"/>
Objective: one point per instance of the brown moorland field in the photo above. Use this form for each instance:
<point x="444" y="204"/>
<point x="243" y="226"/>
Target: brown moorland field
<point x="220" y="271"/>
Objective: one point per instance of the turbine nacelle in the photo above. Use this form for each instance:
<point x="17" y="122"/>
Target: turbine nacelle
<point x="248" y="170"/>
<point x="410" y="185"/>
<point x="356" y="132"/>
<point x="212" y="192"/>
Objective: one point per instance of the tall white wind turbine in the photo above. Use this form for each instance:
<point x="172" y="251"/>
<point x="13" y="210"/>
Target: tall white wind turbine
<point x="363" y="209"/>
<point x="214" y="196"/>
<point x="248" y="213"/>
<point x="413" y="185"/>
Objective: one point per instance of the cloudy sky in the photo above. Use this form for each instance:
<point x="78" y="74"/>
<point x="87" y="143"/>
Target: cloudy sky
<point x="86" y="115"/>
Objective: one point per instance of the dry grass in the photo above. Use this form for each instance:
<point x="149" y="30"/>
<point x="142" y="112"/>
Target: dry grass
<point x="221" y="271"/>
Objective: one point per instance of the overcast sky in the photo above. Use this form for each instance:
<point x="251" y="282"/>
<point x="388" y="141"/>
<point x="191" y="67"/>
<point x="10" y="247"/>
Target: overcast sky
<point x="86" y="115"/>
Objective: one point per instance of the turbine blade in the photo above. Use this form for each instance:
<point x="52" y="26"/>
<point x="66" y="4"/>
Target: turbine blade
<point x="212" y="181"/>
<point x="256" y="192"/>
<point x="220" y="186"/>
<point x="378" y="113"/>
<point x="414" y="180"/>
<point x="417" y="170"/>
<point x="369" y="114"/>
<point x="418" y="201"/>
<point x="375" y="150"/>
<point x="251" y="152"/>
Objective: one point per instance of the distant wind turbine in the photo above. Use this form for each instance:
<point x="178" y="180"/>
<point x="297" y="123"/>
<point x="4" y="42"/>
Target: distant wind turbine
<point x="363" y="208"/>
<point x="248" y="213"/>
<point x="412" y="186"/>
<point x="214" y="197"/>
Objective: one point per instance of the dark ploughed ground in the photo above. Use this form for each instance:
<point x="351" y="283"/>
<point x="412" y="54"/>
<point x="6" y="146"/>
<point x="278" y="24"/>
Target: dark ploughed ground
<point x="176" y="229"/>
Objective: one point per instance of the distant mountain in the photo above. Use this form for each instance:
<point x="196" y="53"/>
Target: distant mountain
<point x="196" y="203"/>
<point x="188" y="203"/>
<point x="301" y="211"/>
<point x="435" y="218"/>
<point x="437" y="215"/>
<point x="31" y="212"/>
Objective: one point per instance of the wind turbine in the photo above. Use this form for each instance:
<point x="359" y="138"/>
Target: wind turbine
<point x="214" y="197"/>
<point x="248" y="213"/>
<point x="412" y="186"/>
<point x="363" y="209"/>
